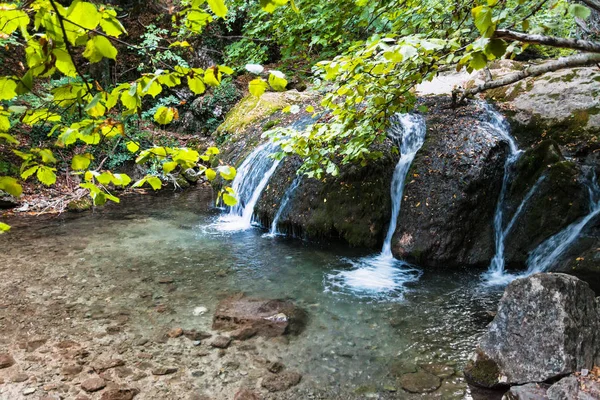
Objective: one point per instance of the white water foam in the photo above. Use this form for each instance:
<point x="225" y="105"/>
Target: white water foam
<point x="383" y="274"/>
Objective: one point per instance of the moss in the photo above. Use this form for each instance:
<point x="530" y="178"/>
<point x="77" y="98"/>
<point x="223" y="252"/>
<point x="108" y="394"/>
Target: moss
<point x="483" y="371"/>
<point x="252" y="109"/>
<point x="80" y="205"/>
<point x="271" y="124"/>
<point x="506" y="93"/>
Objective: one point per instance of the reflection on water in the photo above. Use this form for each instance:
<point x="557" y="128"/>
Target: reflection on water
<point x="350" y="341"/>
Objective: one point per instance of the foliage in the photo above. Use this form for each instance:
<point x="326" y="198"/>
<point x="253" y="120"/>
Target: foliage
<point x="54" y="38"/>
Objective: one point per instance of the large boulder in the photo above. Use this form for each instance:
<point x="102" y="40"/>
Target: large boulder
<point x="546" y="327"/>
<point x="451" y="191"/>
<point x="268" y="318"/>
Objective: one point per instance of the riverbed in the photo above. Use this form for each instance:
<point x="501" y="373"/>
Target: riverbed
<point x="115" y="280"/>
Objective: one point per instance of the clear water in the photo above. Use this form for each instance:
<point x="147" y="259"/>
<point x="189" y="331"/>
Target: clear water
<point x="383" y="275"/>
<point x="351" y="340"/>
<point x="251" y="179"/>
<point x="283" y="206"/>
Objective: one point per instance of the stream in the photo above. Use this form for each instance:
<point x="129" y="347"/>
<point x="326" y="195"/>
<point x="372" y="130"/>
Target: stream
<point x="352" y="342"/>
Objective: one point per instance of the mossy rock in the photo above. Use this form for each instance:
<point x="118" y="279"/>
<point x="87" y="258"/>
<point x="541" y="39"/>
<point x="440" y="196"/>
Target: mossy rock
<point x="420" y="382"/>
<point x="80" y="205"/>
<point x="252" y="109"/>
<point x="483" y="372"/>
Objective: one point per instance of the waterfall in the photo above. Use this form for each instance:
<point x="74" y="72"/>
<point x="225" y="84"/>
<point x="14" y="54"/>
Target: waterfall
<point x="250" y="181"/>
<point x="383" y="273"/>
<point x="282" y="206"/>
<point x="498" y="124"/>
<point x="548" y="252"/>
<point x="408" y="132"/>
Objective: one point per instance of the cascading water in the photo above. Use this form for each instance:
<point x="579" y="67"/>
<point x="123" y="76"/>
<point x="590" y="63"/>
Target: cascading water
<point x="282" y="206"/>
<point x="498" y="124"/>
<point x="382" y="274"/>
<point x="549" y="251"/>
<point x="251" y="178"/>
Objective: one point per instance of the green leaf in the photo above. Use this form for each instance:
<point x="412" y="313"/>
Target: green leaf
<point x="210" y="174"/>
<point x="196" y="85"/>
<point x="10" y="186"/>
<point x="218" y="7"/>
<point x="496" y="47"/>
<point x="46" y="154"/>
<point x="132" y="146"/>
<point x="46" y="175"/>
<point x="478" y="61"/>
<point x="8" y="138"/>
<point x="4" y="227"/>
<point x="212" y="76"/>
<point x="7" y="88"/>
<point x="28" y="172"/>
<point x="81" y="161"/>
<point x="164" y="115"/>
<point x="257" y="87"/>
<point x="228" y="173"/>
<point x="169" y="166"/>
<point x="84" y="14"/>
<point x="98" y="48"/>
<point x="483" y="18"/>
<point x="229" y="200"/>
<point x="154" y="182"/>
<point x="579" y="11"/>
<point x="277" y="81"/>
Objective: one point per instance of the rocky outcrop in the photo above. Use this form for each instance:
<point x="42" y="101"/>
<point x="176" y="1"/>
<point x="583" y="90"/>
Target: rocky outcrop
<point x="552" y="194"/>
<point x="451" y="192"/>
<point x="268" y="318"/>
<point x="546" y="327"/>
<point x="531" y="391"/>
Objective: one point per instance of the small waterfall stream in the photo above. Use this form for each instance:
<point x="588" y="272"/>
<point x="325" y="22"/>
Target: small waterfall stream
<point x="498" y="124"/>
<point x="549" y="251"/>
<point x="251" y="179"/>
<point x="382" y="274"/>
<point x="283" y="205"/>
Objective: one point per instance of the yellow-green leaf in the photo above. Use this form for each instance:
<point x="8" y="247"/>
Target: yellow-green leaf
<point x="169" y="166"/>
<point x="4" y="227"/>
<point x="132" y="146"/>
<point x="229" y="200"/>
<point x="164" y="115"/>
<point x="210" y="174"/>
<point x="257" y="87"/>
<point x="10" y="186"/>
<point x="81" y="161"/>
<point x="196" y="85"/>
<point x="218" y="7"/>
<point x="277" y="81"/>
<point x="7" y="88"/>
<point x="46" y="175"/>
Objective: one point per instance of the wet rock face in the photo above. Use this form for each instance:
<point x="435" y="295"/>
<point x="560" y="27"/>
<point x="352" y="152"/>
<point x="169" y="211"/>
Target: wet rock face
<point x="451" y="191"/>
<point x="558" y="199"/>
<point x="531" y="391"/>
<point x="545" y="328"/>
<point x="268" y="318"/>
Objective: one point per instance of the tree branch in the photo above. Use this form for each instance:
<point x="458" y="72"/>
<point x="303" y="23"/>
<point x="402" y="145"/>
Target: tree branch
<point x="578" y="60"/>
<point x="552" y="41"/>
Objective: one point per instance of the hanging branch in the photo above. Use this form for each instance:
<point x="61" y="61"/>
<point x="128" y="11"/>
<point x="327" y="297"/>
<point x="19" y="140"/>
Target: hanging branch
<point x="552" y="41"/>
<point x="578" y="60"/>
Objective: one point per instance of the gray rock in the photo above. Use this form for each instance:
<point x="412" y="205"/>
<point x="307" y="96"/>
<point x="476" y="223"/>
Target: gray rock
<point x="565" y="389"/>
<point x="531" y="391"/>
<point x="268" y="318"/>
<point x="6" y="360"/>
<point x="420" y="382"/>
<point x="246" y="394"/>
<point x="282" y="381"/>
<point x="93" y="384"/>
<point x="164" y="370"/>
<point x="221" y="342"/>
<point x="545" y="328"/>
